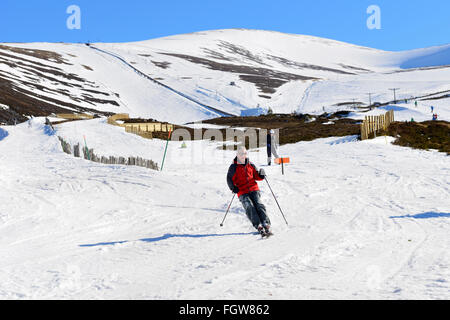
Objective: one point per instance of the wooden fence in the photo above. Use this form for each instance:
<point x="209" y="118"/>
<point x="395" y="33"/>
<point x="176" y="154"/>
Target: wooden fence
<point x="89" y="154"/>
<point x="148" y="127"/>
<point x="118" y="116"/>
<point x="144" y="129"/>
<point x="373" y="124"/>
<point x="74" y="116"/>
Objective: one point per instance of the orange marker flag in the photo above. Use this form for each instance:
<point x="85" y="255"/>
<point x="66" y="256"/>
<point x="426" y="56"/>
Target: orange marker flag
<point x="282" y="161"/>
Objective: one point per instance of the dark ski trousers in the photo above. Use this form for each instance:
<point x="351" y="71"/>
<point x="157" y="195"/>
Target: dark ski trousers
<point x="254" y="209"/>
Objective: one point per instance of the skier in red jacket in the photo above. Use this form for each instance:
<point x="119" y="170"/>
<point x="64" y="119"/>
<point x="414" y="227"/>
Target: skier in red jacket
<point x="241" y="178"/>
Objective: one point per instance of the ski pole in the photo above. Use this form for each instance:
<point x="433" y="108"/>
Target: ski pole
<point x="227" y="210"/>
<point x="276" y="201"/>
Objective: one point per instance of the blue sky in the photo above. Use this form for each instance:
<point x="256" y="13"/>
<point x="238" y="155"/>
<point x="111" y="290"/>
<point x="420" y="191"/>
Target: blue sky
<point x="405" y="24"/>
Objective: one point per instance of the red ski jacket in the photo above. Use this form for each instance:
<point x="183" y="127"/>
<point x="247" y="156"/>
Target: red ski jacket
<point x="243" y="176"/>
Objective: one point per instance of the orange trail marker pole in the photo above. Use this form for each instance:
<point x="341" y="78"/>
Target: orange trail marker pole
<point x="282" y="161"/>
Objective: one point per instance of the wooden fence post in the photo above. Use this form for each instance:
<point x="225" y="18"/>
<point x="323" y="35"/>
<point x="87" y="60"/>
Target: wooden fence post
<point x="373" y="124"/>
<point x="76" y="150"/>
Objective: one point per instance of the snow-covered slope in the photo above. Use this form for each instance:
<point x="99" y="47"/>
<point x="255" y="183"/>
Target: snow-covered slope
<point x="429" y="87"/>
<point x="208" y="74"/>
<point x="367" y="220"/>
<point x="430" y="57"/>
<point x="100" y="83"/>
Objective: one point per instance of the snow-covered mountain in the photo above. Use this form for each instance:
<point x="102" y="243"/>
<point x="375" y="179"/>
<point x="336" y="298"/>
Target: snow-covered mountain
<point x="209" y="74"/>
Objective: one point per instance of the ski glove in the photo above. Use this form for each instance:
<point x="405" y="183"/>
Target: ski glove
<point x="235" y="189"/>
<point x="262" y="173"/>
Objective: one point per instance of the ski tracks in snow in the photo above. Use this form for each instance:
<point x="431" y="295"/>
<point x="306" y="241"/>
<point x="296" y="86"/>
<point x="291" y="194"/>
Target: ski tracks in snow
<point x="365" y="221"/>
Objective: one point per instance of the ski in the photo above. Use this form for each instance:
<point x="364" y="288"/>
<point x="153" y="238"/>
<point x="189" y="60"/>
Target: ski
<point x="265" y="235"/>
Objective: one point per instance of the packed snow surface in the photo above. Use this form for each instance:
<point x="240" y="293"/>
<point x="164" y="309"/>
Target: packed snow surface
<point x="367" y="220"/>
